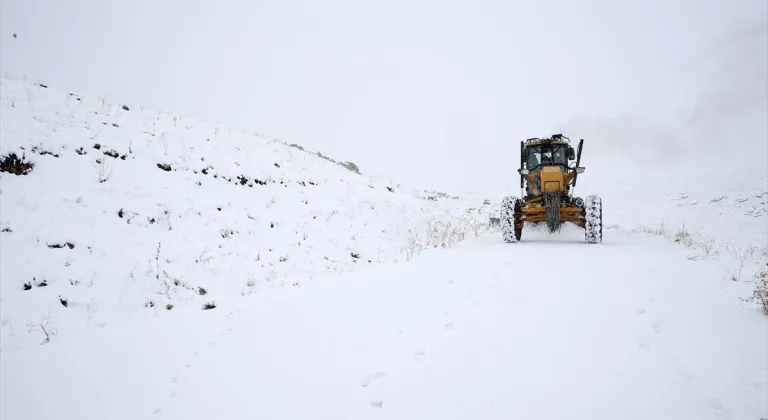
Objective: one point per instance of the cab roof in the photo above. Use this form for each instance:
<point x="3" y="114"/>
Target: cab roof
<point x="554" y="139"/>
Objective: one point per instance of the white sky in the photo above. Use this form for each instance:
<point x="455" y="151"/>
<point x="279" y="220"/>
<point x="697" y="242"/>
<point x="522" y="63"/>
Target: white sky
<point x="432" y="93"/>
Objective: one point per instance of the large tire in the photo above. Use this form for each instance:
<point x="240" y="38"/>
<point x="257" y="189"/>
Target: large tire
<point x="511" y="208"/>
<point x="552" y="205"/>
<point x="593" y="229"/>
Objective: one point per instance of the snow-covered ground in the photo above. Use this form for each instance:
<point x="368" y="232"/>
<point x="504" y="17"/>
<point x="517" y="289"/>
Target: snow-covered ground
<point x="98" y="229"/>
<point x="372" y="321"/>
<point x="728" y="204"/>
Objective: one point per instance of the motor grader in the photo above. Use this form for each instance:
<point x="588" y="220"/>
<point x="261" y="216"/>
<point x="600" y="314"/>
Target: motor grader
<point x="549" y="168"/>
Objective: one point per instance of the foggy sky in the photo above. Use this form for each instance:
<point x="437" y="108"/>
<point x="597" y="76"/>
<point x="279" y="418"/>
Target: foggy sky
<point x="431" y="93"/>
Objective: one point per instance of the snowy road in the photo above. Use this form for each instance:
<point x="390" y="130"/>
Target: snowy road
<point x="551" y="328"/>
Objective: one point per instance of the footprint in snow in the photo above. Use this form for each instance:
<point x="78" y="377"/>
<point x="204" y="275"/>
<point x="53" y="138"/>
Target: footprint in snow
<point x="642" y="341"/>
<point x="368" y="380"/>
<point x="682" y="371"/>
<point x="655" y="325"/>
<point x="716" y="406"/>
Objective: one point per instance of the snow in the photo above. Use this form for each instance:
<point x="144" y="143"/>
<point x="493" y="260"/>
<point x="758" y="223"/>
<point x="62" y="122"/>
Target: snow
<point x="636" y="327"/>
<point x="729" y="203"/>
<point x="150" y="237"/>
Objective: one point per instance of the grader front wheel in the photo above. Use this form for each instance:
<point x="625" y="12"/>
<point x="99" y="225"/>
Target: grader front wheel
<point x="593" y="226"/>
<point x="511" y="212"/>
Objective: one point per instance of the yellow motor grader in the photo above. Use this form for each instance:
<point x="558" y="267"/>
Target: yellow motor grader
<point x="548" y="171"/>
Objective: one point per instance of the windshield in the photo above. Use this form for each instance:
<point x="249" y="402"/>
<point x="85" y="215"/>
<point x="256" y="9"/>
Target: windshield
<point x="546" y="155"/>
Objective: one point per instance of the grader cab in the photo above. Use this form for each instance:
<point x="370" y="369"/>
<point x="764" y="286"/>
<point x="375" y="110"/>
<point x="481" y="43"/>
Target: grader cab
<point x="549" y="168"/>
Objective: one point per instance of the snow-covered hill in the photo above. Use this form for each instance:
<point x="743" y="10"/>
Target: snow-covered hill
<point x="726" y="203"/>
<point x="110" y="253"/>
<point x="129" y="211"/>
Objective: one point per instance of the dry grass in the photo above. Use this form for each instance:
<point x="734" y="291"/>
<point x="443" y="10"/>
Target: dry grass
<point x="760" y="291"/>
<point x="444" y="232"/>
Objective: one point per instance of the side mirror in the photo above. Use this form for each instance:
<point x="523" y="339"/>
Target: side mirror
<point x="523" y="171"/>
<point x="571" y="153"/>
<point x="580" y="169"/>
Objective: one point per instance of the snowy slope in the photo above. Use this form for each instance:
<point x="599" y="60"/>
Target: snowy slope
<point x="98" y="231"/>
<point x="637" y="327"/>
<point x="726" y="203"/>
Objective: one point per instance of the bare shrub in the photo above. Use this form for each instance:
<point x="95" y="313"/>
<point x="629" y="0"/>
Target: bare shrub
<point x="45" y="327"/>
<point x="760" y="291"/>
<point x="708" y="245"/>
<point x="203" y="258"/>
<point x="12" y="164"/>
<point x="682" y="235"/>
<point x="250" y="280"/>
<point x="736" y="276"/>
<point x="103" y="170"/>
<point x="660" y="230"/>
<point x="167" y="217"/>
